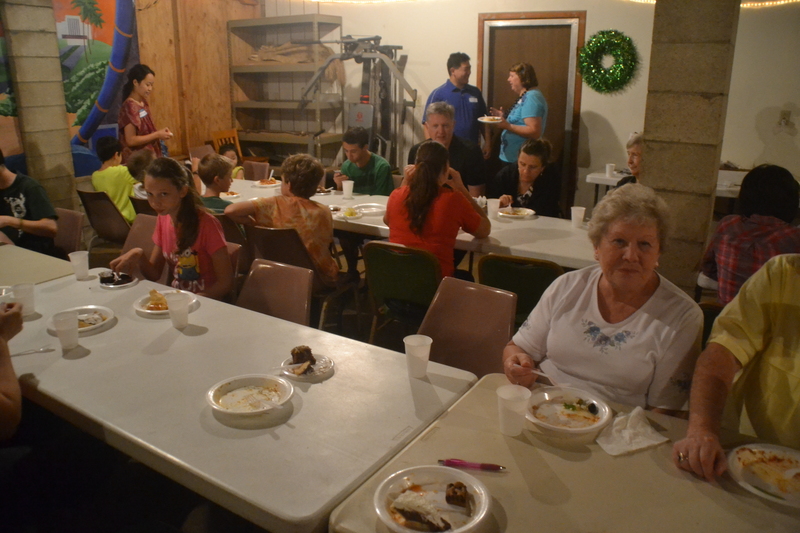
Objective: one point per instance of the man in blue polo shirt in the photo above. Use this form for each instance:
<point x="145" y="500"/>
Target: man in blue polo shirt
<point x="465" y="98"/>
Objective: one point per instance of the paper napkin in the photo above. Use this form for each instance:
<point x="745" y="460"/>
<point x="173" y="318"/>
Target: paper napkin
<point x="629" y="432"/>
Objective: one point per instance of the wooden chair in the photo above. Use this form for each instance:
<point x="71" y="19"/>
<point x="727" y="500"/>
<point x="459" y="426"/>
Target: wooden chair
<point x="470" y="324"/>
<point x="223" y="137"/>
<point x="402" y="282"/>
<point x="525" y="277"/>
<point x="142" y="206"/>
<point x="255" y="171"/>
<point x="283" y="245"/>
<point x="279" y="290"/>
<point x="70" y="230"/>
<point x="200" y="151"/>
<point x="104" y="217"/>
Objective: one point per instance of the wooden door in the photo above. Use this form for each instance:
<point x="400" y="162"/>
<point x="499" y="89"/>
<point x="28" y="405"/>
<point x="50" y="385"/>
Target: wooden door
<point x="549" y="42"/>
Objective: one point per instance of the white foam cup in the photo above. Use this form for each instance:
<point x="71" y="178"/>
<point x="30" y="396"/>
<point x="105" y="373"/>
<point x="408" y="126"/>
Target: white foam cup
<point x="178" y="303"/>
<point x="80" y="264"/>
<point x="66" y="326"/>
<point x="610" y="170"/>
<point x="418" y="351"/>
<point x="347" y="189"/>
<point x="578" y="213"/>
<point x="512" y="401"/>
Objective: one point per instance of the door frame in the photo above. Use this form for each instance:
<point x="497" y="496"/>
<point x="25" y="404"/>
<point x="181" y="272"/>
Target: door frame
<point x="576" y="19"/>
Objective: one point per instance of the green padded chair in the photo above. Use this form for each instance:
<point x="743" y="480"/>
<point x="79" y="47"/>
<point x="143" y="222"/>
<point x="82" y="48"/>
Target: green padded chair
<point x="402" y="283"/>
<point x="527" y="278"/>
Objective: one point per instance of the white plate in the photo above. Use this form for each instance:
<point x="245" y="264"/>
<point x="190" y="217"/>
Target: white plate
<point x="283" y="390"/>
<point x="760" y="484"/>
<point x="489" y="120"/>
<point x="227" y="195"/>
<point x="140" y="305"/>
<point x="322" y="368"/>
<point x="107" y="313"/>
<point x="115" y="287"/>
<point x="370" y="209"/>
<point x="515" y="212"/>
<point x="433" y="480"/>
<point x="547" y="395"/>
<point x="269" y="186"/>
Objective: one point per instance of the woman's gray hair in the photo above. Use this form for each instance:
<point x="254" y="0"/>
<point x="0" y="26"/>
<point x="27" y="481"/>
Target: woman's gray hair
<point x="632" y="202"/>
<point x="634" y="139"/>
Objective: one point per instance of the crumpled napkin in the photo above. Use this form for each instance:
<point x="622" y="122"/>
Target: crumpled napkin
<point x="629" y="432"/>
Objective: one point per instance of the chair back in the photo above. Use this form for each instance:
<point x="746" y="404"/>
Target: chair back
<point x="142" y="206"/>
<point x="279" y="290"/>
<point x="470" y="324"/>
<point x="525" y="277"/>
<point x="141" y="236"/>
<point x="69" y="230"/>
<point x="200" y="151"/>
<point x="234" y="234"/>
<point x="711" y="311"/>
<point x="281" y="245"/>
<point x="223" y="137"/>
<point x="255" y="170"/>
<point x="104" y="216"/>
<point x="234" y="250"/>
<point x="402" y="279"/>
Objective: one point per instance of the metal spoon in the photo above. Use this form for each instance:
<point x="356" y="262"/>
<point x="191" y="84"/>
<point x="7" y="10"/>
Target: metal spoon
<point x="43" y="349"/>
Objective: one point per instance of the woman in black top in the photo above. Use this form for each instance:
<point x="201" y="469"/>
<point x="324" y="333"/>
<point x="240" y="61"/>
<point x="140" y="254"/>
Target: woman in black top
<point x="531" y="182"/>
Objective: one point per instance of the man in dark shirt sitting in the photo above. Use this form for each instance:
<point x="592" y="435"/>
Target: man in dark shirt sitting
<point x="465" y="156"/>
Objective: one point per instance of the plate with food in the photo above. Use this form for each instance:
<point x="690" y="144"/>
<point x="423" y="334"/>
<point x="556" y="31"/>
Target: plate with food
<point x="370" y="209"/>
<point x="305" y="366"/>
<point x="267" y="183"/>
<point x="431" y="498"/>
<point x="767" y="470"/>
<point x="348" y="213"/>
<point x="335" y="208"/>
<point x="488" y="119"/>
<point x="567" y="411"/>
<point x="322" y="191"/>
<point x="515" y="212"/>
<point x="116" y="280"/>
<point x="249" y="395"/>
<point x="154" y="304"/>
<point x="90" y="318"/>
<point x="229" y="194"/>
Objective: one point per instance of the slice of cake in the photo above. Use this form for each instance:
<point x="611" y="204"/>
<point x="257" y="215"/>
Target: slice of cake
<point x="301" y="355"/>
<point x="414" y="511"/>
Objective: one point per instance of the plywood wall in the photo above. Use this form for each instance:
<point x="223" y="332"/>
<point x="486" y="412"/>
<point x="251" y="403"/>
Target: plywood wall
<point x="185" y="43"/>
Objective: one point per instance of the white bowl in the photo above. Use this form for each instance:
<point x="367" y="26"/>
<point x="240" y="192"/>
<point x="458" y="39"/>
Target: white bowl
<point x="570" y="395"/>
<point x="435" y="478"/>
<point x="215" y="393"/>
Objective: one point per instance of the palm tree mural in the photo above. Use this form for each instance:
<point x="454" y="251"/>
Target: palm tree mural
<point x="90" y="14"/>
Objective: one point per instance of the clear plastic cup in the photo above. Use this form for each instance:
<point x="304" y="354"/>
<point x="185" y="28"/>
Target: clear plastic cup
<point x="578" y="213"/>
<point x="80" y="264"/>
<point x="512" y="401"/>
<point x="418" y="351"/>
<point x="23" y="294"/>
<point x="178" y="303"/>
<point x="66" y="325"/>
<point x="347" y="189"/>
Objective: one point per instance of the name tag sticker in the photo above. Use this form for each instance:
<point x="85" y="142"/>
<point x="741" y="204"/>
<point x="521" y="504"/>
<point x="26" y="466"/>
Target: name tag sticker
<point x="473" y="100"/>
<point x="142" y="113"/>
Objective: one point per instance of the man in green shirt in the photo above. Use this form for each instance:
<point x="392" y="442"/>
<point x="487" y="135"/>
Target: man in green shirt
<point x="370" y="172"/>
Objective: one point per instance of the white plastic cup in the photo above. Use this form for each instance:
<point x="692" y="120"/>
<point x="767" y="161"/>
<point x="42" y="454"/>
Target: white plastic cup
<point x="80" y="264"/>
<point x="178" y="303"/>
<point x="347" y="189"/>
<point x="492" y="205"/>
<point x="578" y="213"/>
<point x="66" y="324"/>
<point x="23" y="294"/>
<point x="512" y="401"/>
<point x="418" y="351"/>
<point x="610" y="170"/>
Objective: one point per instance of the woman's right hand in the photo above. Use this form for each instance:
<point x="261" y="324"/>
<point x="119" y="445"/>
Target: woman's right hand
<point x="506" y="200"/>
<point x="127" y="261"/>
<point x="518" y="365"/>
<point x="164" y="134"/>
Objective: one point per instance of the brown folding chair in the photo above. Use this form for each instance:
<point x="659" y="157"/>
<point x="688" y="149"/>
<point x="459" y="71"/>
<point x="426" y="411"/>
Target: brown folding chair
<point x="105" y="218"/>
<point x="283" y="245"/>
<point x="279" y="290"/>
<point x="470" y="324"/>
<point x="142" y="206"/>
<point x="255" y="171"/>
<point x="233" y="252"/>
<point x="200" y="151"/>
<point x="141" y="236"/>
<point x="233" y="233"/>
<point x="69" y="231"/>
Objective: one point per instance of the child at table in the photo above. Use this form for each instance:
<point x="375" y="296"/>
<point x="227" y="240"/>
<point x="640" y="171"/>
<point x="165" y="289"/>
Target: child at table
<point x="215" y="172"/>
<point x="137" y="165"/>
<point x="187" y="237"/>
<point x="229" y="152"/>
<point x="114" y="178"/>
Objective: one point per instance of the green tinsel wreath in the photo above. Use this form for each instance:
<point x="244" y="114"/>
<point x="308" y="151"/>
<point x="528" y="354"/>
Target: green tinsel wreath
<point x="617" y="76"/>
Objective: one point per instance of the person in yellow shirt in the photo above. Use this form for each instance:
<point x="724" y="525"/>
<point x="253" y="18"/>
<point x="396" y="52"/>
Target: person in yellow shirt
<point x="757" y="333"/>
<point x="113" y="177"/>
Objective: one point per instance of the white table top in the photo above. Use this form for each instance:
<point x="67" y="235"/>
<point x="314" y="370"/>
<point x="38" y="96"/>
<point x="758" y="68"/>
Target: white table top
<point x="553" y="485"/>
<point x="20" y="265"/>
<point x="140" y="385"/>
<point x="728" y="181"/>
<point x="551" y="239"/>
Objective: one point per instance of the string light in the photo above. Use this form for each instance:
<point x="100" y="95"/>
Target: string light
<point x="765" y="3"/>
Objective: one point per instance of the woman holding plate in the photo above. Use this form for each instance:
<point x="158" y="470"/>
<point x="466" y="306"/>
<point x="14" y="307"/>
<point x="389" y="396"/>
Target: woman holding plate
<point x="618" y="329"/>
<point x="527" y="117"/>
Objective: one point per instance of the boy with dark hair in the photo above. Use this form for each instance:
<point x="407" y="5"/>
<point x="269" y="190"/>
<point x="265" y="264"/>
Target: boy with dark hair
<point x="215" y="172"/>
<point x="26" y="215"/>
<point x="113" y="178"/>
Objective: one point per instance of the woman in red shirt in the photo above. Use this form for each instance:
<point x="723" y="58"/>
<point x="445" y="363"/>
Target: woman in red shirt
<point x="431" y="206"/>
<point x="136" y="127"/>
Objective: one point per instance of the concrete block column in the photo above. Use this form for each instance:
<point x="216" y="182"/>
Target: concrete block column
<point x="30" y="31"/>
<point x="687" y="98"/>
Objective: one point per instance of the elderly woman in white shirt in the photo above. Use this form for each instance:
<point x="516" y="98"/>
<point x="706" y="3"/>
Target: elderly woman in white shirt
<point x="618" y="328"/>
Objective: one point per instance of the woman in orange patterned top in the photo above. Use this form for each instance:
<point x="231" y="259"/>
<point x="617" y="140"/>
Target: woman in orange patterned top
<point x="294" y="209"/>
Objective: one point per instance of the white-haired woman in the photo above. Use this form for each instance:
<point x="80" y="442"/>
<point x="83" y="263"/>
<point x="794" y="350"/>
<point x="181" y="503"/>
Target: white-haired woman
<point x="634" y="148"/>
<point x="618" y="328"/>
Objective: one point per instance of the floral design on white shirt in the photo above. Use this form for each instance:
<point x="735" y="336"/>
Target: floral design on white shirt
<point x="594" y="335"/>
